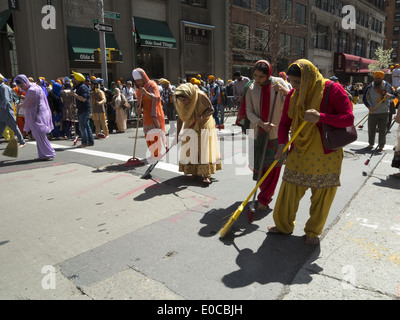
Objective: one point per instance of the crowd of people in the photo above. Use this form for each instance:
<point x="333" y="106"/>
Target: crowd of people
<point x="272" y="107"/>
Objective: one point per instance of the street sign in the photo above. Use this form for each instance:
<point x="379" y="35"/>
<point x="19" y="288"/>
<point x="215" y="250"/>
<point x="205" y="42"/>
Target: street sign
<point x="103" y="28"/>
<point x="112" y="15"/>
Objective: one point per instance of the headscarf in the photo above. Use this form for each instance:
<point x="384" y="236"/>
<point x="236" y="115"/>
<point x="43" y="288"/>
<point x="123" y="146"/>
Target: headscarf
<point x="43" y="86"/>
<point x="188" y="91"/>
<point x="309" y="96"/>
<point x="57" y="89"/>
<point x="22" y="79"/>
<point x="140" y="74"/>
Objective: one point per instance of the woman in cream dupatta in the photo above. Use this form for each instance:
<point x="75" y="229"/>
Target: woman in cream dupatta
<point x="200" y="155"/>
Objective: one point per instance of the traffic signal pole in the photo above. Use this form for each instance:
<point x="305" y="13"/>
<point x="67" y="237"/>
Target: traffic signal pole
<point x="103" y="52"/>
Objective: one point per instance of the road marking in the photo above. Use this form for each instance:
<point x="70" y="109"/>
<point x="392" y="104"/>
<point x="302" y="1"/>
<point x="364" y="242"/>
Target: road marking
<point x="115" y="156"/>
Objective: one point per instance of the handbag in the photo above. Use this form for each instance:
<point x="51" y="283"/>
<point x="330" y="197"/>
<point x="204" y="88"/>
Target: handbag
<point x="334" y="138"/>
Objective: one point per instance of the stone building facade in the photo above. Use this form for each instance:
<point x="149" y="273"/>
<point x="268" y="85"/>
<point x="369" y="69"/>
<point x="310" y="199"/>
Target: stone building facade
<point x="174" y="38"/>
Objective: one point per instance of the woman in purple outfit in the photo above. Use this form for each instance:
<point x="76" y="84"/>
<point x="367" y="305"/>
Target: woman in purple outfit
<point x="37" y="117"/>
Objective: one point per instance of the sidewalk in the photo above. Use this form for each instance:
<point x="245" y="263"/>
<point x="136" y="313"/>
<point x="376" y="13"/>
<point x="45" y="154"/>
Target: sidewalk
<point x="360" y="253"/>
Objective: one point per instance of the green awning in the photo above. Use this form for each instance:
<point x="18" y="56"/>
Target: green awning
<point x="4" y="16"/>
<point x="154" y="33"/>
<point x="83" y="41"/>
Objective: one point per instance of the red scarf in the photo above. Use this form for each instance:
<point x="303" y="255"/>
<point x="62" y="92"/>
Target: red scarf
<point x="265" y="101"/>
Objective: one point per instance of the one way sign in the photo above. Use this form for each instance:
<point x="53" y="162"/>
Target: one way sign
<point x="103" y="28"/>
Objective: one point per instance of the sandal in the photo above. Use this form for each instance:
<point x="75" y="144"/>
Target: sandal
<point x="274" y="230"/>
<point x="312" y="241"/>
<point x="261" y="207"/>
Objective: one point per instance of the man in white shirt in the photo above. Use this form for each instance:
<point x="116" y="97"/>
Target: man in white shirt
<point x="238" y="86"/>
<point x="396" y="76"/>
<point x="129" y="94"/>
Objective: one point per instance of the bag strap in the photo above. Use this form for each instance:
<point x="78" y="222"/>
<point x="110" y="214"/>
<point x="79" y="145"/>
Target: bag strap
<point x="327" y="97"/>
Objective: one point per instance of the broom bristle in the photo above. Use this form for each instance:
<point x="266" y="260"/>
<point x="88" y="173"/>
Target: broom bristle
<point x="227" y="227"/>
<point x="12" y="149"/>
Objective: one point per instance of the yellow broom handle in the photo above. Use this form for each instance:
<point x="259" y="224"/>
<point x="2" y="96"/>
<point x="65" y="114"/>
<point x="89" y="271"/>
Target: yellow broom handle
<point x="269" y="170"/>
<point x="370" y="112"/>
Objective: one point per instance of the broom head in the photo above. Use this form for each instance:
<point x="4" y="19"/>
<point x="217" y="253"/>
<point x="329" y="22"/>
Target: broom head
<point x="12" y="148"/>
<point x="133" y="162"/>
<point x="231" y="221"/>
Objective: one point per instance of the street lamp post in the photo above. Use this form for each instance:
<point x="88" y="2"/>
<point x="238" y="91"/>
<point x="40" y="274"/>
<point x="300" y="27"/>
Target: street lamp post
<point x="103" y="53"/>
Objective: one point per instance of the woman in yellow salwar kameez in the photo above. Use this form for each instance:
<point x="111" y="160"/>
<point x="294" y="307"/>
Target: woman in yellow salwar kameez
<point x="200" y="154"/>
<point x="309" y="164"/>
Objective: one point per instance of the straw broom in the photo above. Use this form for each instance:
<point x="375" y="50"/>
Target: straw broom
<point x="12" y="148"/>
<point x="239" y="210"/>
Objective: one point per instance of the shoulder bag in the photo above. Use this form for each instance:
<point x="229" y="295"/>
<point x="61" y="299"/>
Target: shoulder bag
<point x="334" y="138"/>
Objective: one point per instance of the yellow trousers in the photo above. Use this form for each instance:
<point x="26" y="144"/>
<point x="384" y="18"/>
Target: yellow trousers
<point x="287" y="205"/>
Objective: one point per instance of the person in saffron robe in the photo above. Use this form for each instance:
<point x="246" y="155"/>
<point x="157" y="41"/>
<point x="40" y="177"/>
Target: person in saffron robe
<point x="38" y="117"/>
<point x="153" y="114"/>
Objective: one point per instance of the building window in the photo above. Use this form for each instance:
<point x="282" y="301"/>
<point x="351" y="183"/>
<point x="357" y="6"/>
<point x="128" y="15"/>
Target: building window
<point x="397" y="4"/>
<point x="299" y="47"/>
<point x="285" y="43"/>
<point x="372" y="48"/>
<point x="195" y="3"/>
<point x="396" y="30"/>
<point x="395" y="44"/>
<point x="263" y="6"/>
<point x="242" y="3"/>
<point x="286" y="9"/>
<point x="397" y="17"/>
<point x="300" y="14"/>
<point x="325" y="5"/>
<point x="359" y="47"/>
<point x="322" y="38"/>
<point x="340" y="7"/>
<point x="241" y="38"/>
<point x="261" y="41"/>
<point x="343" y="42"/>
<point x="394" y="56"/>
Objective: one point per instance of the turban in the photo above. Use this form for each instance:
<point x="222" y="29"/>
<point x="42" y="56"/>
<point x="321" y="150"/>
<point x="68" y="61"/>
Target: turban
<point x="379" y="74"/>
<point x="78" y="76"/>
<point x="396" y="65"/>
<point x="211" y="77"/>
<point x="1" y="77"/>
<point x="163" y="81"/>
<point x="220" y="82"/>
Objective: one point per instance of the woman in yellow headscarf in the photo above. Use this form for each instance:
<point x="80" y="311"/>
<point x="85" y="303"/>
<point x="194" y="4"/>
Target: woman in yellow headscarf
<point x="200" y="155"/>
<point x="309" y="164"/>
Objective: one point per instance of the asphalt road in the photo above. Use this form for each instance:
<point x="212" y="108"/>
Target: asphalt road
<point x="110" y="235"/>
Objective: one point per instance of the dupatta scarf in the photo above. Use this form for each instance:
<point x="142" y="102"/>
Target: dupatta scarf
<point x="308" y="97"/>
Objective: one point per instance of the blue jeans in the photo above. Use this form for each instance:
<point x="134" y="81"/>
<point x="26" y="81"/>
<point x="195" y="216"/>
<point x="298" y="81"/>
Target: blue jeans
<point x="84" y="127"/>
<point x="216" y="115"/>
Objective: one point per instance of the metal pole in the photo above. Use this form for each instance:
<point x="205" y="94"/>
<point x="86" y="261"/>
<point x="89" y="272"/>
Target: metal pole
<point x="103" y="51"/>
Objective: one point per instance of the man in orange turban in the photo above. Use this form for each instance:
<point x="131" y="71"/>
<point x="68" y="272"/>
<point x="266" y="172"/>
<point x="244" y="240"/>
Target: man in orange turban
<point x="377" y="98"/>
